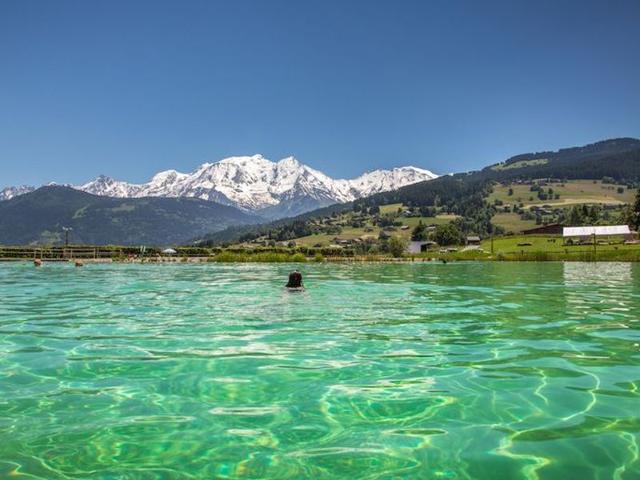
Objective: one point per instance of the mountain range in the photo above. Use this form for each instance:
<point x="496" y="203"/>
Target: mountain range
<point x="164" y="210"/>
<point x="253" y="184"/>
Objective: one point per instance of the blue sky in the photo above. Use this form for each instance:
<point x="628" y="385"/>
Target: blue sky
<point x="129" y="88"/>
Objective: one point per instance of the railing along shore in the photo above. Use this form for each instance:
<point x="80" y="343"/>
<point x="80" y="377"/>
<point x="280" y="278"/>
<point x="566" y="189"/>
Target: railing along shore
<point x="57" y="253"/>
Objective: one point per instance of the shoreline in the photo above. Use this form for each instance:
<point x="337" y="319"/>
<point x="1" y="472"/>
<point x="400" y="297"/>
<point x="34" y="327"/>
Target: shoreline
<point x="528" y="258"/>
<point x="508" y="248"/>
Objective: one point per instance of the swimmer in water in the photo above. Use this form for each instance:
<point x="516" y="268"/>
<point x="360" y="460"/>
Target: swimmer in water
<point x="295" y="280"/>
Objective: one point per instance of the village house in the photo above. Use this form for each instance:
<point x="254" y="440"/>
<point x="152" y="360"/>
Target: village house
<point x="420" y="246"/>
<point x="473" y="240"/>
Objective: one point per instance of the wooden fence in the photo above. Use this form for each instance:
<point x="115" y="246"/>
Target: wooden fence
<point x="57" y="253"/>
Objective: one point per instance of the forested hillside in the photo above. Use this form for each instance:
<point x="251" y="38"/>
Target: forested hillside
<point x="466" y="195"/>
<point x="38" y="218"/>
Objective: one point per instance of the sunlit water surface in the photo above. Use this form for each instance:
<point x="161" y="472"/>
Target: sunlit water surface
<point x="430" y="371"/>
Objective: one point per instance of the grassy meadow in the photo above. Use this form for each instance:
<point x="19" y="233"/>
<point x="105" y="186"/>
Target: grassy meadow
<point x="370" y="230"/>
<point x="552" y="247"/>
<point x="571" y="193"/>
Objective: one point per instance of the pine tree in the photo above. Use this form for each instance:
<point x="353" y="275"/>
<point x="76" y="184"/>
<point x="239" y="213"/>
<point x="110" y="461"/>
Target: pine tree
<point x="634" y="217"/>
<point x="575" y="216"/>
<point x="419" y="232"/>
<point x="397" y="245"/>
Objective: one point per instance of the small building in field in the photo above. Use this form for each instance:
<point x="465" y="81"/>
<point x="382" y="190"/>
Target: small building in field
<point x="420" y="246"/>
<point x="610" y="206"/>
<point x="473" y="240"/>
<point x="550" y="229"/>
<point x="345" y="241"/>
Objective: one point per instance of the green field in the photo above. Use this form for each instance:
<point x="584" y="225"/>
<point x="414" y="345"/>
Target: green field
<point x="510" y="244"/>
<point x="311" y="240"/>
<point x="349" y="233"/>
<point x="553" y="244"/>
<point x="437" y="220"/>
<point x="390" y="208"/>
<point x="520" y="164"/>
<point x="571" y="193"/>
<point x="511" y="222"/>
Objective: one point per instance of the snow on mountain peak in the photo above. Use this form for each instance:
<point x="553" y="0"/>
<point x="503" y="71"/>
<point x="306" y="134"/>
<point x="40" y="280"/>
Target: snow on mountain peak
<point x="289" y="162"/>
<point x="10" y="192"/>
<point x="255" y="183"/>
<point x="167" y="178"/>
<point x="107" y="186"/>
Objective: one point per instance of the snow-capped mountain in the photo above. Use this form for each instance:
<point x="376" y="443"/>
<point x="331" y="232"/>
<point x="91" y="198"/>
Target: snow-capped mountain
<point x="256" y="184"/>
<point x="10" y="192"/>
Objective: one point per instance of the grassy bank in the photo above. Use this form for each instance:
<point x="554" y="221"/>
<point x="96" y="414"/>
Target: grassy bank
<point x="553" y="248"/>
<point x="537" y="248"/>
<point x="262" y="257"/>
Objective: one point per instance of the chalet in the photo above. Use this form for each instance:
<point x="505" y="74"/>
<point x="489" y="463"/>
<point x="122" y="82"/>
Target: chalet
<point x="473" y="240"/>
<point x="343" y="241"/>
<point x="544" y="210"/>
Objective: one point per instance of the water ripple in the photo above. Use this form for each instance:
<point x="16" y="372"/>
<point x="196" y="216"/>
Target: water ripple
<point x="375" y="372"/>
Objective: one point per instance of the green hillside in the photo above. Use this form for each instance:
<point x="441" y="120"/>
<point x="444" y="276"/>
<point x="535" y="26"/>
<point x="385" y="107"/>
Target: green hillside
<point x="478" y="201"/>
<point x="38" y="218"/>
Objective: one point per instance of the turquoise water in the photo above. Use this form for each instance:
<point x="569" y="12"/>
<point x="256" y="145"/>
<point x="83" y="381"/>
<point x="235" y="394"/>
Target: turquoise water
<point x="430" y="371"/>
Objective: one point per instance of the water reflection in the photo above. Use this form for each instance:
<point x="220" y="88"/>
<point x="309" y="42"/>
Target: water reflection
<point x="605" y="274"/>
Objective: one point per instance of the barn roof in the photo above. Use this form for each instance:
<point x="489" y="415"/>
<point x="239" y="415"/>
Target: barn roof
<point x="595" y="230"/>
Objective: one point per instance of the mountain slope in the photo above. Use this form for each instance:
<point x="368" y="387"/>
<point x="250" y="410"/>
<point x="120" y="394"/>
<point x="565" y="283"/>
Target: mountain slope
<point x="256" y="184"/>
<point x="38" y="217"/>
<point x="464" y="194"/>
<point x="616" y="158"/>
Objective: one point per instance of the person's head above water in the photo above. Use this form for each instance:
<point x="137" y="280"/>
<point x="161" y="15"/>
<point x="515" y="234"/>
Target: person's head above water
<point x="295" y="279"/>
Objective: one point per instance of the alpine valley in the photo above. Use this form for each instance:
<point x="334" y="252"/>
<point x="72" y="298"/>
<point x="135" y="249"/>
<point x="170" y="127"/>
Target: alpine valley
<point x="251" y="199"/>
<point x="254" y="185"/>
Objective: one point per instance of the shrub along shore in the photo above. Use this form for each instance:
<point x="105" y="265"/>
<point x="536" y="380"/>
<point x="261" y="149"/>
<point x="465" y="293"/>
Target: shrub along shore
<point x="535" y="248"/>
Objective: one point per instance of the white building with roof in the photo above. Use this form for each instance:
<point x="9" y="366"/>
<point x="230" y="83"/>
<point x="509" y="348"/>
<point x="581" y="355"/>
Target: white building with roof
<point x="597" y="230"/>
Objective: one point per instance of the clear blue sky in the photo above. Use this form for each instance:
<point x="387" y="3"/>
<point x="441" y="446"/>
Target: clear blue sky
<point x="127" y="88"/>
